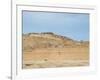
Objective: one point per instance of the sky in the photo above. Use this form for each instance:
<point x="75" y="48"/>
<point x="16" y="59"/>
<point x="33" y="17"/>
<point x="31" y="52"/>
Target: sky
<point x="73" y="25"/>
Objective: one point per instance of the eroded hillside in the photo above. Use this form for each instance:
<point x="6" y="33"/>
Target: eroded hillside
<point x="49" y="40"/>
<point x="46" y="50"/>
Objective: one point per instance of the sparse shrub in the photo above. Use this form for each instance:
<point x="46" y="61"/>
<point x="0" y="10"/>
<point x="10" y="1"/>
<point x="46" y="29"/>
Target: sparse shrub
<point x="45" y="59"/>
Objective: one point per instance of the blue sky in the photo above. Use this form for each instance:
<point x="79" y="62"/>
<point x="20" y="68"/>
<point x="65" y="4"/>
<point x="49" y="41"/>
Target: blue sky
<point x="73" y="25"/>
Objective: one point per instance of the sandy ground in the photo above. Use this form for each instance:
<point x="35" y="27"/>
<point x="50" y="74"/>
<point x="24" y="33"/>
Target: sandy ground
<point x="56" y="57"/>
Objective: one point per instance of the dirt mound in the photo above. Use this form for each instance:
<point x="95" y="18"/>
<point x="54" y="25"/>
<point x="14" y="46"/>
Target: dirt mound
<point x="32" y="41"/>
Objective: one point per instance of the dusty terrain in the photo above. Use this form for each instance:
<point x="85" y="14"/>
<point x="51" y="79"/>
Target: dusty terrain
<point x="46" y="50"/>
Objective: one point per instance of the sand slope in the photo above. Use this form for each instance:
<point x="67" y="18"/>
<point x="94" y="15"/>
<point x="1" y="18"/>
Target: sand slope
<point x="45" y="50"/>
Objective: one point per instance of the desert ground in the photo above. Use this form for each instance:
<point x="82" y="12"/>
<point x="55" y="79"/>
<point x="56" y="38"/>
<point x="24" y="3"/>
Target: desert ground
<point x="39" y="52"/>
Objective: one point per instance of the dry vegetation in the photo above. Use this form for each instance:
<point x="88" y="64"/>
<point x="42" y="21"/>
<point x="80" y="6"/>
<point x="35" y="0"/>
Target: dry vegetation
<point x="44" y="50"/>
